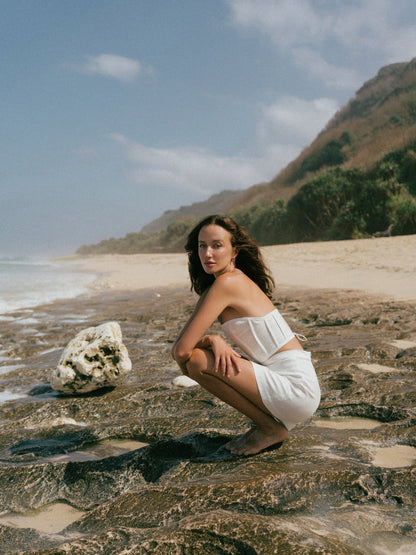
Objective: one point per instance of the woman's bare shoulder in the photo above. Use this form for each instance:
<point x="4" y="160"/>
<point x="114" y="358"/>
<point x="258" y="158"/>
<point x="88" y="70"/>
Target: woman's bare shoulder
<point x="232" y="281"/>
<point x="244" y="297"/>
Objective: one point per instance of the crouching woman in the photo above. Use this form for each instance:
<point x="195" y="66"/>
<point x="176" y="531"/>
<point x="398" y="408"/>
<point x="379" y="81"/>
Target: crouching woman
<point x="276" y="387"/>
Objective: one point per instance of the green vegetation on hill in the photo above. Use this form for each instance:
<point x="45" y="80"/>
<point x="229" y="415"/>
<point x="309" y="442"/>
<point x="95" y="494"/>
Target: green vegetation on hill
<point x="342" y="204"/>
<point x="331" y="154"/>
<point x="172" y="239"/>
<point x="338" y="204"/>
<point x="380" y="118"/>
<point x="357" y="178"/>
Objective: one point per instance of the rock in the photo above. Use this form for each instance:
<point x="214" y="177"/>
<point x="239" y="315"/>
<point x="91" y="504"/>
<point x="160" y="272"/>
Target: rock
<point x="184" y="381"/>
<point x="94" y="359"/>
<point x="331" y="488"/>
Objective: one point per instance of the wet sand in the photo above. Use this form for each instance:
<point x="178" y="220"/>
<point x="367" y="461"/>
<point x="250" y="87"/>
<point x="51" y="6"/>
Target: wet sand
<point x="50" y="520"/>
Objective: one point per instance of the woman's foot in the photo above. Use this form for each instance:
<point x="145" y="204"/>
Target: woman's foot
<point x="238" y="440"/>
<point x="257" y="439"/>
<point x="234" y="442"/>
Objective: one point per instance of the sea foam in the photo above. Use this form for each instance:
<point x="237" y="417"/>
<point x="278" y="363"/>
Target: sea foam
<point x="25" y="283"/>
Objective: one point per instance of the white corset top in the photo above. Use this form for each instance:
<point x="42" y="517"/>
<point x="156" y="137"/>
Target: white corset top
<point x="259" y="337"/>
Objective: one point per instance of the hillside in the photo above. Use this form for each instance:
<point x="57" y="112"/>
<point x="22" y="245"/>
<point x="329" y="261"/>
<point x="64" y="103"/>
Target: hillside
<point x="213" y="205"/>
<point x="347" y="159"/>
<point x="381" y="117"/>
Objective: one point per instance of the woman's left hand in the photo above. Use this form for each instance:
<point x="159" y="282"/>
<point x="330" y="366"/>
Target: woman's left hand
<point x="226" y="358"/>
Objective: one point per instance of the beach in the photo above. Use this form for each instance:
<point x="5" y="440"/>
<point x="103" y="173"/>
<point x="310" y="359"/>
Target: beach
<point x="383" y="266"/>
<point x="141" y="467"/>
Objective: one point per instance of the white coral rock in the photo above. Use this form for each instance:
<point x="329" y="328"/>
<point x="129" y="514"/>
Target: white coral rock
<point x="95" y="358"/>
<point x="184" y="381"/>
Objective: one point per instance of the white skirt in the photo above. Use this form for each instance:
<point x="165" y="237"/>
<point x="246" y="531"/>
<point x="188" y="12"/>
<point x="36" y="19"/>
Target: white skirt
<point x="288" y="386"/>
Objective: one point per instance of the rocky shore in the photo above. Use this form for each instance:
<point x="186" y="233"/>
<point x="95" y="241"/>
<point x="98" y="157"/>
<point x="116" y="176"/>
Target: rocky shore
<point x="141" y="467"/>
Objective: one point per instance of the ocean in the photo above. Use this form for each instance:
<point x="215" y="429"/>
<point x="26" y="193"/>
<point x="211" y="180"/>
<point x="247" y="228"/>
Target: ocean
<point x="26" y="283"/>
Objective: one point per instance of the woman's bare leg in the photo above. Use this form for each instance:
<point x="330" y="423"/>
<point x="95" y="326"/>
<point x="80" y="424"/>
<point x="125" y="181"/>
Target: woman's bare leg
<point x="241" y="392"/>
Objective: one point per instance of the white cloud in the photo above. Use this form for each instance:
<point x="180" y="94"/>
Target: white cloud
<point x="328" y="39"/>
<point x="294" y="121"/>
<point x="376" y="29"/>
<point x="365" y="26"/>
<point x="335" y="77"/>
<point x="187" y="168"/>
<point x="110" y="65"/>
<point x="284" y="128"/>
<point x="403" y="45"/>
<point x="287" y="22"/>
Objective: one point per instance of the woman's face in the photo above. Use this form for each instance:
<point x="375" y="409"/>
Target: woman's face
<point x="215" y="250"/>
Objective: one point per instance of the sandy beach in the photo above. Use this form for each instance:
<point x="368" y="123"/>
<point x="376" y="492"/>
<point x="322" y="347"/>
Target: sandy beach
<point x="383" y="266"/>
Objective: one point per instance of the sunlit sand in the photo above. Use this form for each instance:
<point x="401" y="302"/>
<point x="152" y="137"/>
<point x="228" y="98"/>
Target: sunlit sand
<point x="397" y="456"/>
<point x="379" y="266"/>
<point x="101" y="450"/>
<point x="377" y="368"/>
<point x="345" y="423"/>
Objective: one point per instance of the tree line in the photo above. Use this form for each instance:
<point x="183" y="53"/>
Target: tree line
<point x="338" y="204"/>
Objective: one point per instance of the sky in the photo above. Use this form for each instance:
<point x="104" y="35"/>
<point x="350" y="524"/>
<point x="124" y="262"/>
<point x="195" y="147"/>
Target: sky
<point x="113" y="111"/>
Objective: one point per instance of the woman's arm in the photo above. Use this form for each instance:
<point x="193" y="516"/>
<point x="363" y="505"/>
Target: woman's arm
<point x="225" y="357"/>
<point x="221" y="294"/>
<point x="186" y="326"/>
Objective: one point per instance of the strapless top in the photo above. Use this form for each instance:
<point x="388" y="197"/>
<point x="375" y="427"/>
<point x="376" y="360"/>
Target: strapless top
<point x="259" y="337"/>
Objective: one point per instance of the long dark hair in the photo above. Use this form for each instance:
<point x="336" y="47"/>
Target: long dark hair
<point x="249" y="259"/>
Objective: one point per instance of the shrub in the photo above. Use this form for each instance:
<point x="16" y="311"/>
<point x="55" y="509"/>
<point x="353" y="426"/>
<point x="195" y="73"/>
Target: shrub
<point x="318" y="203"/>
<point x="407" y="173"/>
<point x="403" y="215"/>
<point x="331" y="154"/>
<point x="348" y="224"/>
<point x="267" y="224"/>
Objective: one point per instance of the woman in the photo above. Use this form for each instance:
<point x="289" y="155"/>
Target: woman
<point x="278" y="387"/>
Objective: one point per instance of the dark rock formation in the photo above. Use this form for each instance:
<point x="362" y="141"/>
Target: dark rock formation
<point x="182" y="492"/>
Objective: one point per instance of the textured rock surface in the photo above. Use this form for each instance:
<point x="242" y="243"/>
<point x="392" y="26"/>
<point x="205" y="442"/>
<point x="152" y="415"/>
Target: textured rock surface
<point x="321" y="492"/>
<point x="94" y="359"/>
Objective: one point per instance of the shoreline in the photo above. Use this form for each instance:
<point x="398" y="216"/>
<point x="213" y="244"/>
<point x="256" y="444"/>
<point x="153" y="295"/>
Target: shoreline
<point x="131" y="272"/>
<point x="380" y="266"/>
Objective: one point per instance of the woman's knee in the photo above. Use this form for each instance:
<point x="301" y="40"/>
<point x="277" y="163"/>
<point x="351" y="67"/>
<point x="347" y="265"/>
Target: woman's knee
<point x="197" y="363"/>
